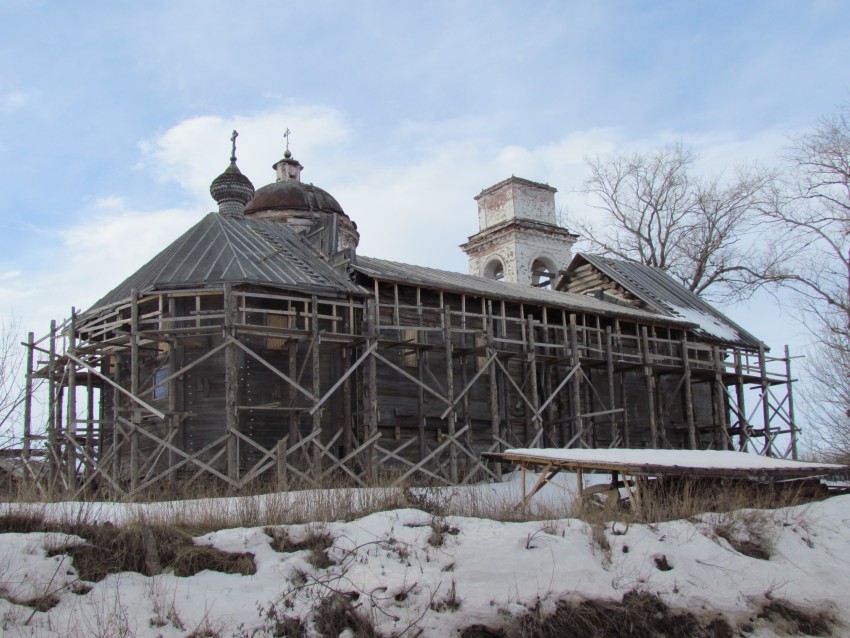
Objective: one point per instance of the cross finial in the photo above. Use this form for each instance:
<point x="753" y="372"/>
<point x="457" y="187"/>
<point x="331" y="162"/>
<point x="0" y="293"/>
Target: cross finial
<point x="286" y="134"/>
<point x="233" y="137"/>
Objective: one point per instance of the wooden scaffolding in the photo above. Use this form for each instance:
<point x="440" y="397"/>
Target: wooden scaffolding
<point x="245" y="385"/>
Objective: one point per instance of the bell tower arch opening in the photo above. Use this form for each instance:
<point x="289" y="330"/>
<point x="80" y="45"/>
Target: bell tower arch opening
<point x="494" y="269"/>
<point x="543" y="273"/>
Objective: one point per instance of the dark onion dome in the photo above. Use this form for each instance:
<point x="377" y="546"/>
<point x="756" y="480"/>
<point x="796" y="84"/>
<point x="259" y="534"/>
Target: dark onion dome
<point x="293" y="195"/>
<point x="232" y="185"/>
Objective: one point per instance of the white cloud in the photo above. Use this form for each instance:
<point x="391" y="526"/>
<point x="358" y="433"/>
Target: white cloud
<point x="11" y="98"/>
<point x="193" y="152"/>
<point x="88" y="259"/>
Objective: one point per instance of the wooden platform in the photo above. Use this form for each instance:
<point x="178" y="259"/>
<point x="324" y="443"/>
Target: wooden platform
<point x="717" y="464"/>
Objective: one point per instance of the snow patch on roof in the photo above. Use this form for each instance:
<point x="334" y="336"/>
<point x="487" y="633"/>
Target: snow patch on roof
<point x="696" y="459"/>
<point x="708" y="323"/>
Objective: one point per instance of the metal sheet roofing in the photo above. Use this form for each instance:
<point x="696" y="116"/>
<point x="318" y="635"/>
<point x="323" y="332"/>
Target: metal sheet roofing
<point x="446" y="280"/>
<point x="658" y="289"/>
<point x="221" y="249"/>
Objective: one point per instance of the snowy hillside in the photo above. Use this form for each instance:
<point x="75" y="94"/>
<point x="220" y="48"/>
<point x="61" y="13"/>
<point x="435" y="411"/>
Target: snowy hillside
<point x="408" y="572"/>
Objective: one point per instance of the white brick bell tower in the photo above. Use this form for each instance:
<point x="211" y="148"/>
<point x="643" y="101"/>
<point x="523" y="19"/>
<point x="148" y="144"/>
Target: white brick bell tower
<point x="519" y="239"/>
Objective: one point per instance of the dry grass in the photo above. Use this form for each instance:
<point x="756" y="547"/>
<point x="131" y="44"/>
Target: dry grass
<point x="795" y="620"/>
<point x="638" y="615"/>
<point x="316" y="542"/>
<point x="110" y="549"/>
<point x="449" y="602"/>
<point x="336" y="614"/>
<point x="749" y="532"/>
<point x="677" y="499"/>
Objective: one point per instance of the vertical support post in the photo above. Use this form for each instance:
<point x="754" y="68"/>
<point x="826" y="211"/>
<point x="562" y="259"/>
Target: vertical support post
<point x="689" y="396"/>
<point x="173" y="366"/>
<point x="650" y="388"/>
<point x="618" y="344"/>
<point x="549" y="389"/>
<point x="609" y="369"/>
<point x="575" y="382"/>
<point x="372" y="390"/>
<point x="347" y="417"/>
<point x="117" y="453"/>
<point x="495" y="417"/>
<point x="580" y="485"/>
<point x="52" y="440"/>
<point x="61" y="453"/>
<point x="765" y="402"/>
<point x="531" y="359"/>
<point x="28" y="397"/>
<point x="71" y="419"/>
<point x="134" y="389"/>
<point x="280" y="460"/>
<point x="291" y="392"/>
<point x="90" y="423"/>
<point x="464" y="360"/>
<point x="450" y="392"/>
<point x="743" y="426"/>
<point x="231" y="387"/>
<point x="720" y="393"/>
<point x="420" y="371"/>
<point x="316" y="375"/>
<point x="791" y="423"/>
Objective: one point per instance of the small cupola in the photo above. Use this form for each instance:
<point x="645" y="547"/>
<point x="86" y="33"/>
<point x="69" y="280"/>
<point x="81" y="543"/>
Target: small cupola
<point x="232" y="190"/>
<point x="288" y="169"/>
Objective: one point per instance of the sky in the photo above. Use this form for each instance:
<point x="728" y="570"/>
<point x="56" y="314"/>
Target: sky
<point x="115" y="117"/>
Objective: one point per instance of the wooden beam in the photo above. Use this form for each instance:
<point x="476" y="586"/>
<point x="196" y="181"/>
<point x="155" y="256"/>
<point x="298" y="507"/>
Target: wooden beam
<point x="134" y="389"/>
<point x="649" y="379"/>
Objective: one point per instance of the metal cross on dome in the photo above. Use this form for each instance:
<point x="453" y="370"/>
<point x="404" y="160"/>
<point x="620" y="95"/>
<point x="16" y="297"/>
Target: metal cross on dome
<point x="233" y="137"/>
<point x="286" y="134"/>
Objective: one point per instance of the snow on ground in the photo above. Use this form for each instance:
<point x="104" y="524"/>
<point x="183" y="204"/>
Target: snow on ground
<point x="386" y="565"/>
<point x="554" y="500"/>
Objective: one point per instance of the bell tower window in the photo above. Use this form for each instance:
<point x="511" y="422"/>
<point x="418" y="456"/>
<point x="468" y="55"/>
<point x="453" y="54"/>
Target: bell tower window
<point x="494" y="269"/>
<point x="543" y="273"/>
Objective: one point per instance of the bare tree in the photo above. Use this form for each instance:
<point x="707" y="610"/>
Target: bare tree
<point x="656" y="211"/>
<point x="11" y="382"/>
<point x="827" y="395"/>
<point x="811" y="212"/>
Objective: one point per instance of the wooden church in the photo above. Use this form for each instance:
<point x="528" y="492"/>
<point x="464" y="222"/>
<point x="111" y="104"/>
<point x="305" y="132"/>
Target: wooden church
<point x="260" y="347"/>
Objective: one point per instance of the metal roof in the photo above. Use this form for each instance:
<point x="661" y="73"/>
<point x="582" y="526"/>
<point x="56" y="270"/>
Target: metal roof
<point x="480" y="286"/>
<point x="220" y="249"/>
<point x="658" y="289"/>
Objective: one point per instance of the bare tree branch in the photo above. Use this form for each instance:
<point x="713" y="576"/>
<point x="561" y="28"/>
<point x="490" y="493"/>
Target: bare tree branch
<point x="811" y="212"/>
<point x="701" y="231"/>
<point x="11" y="381"/>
